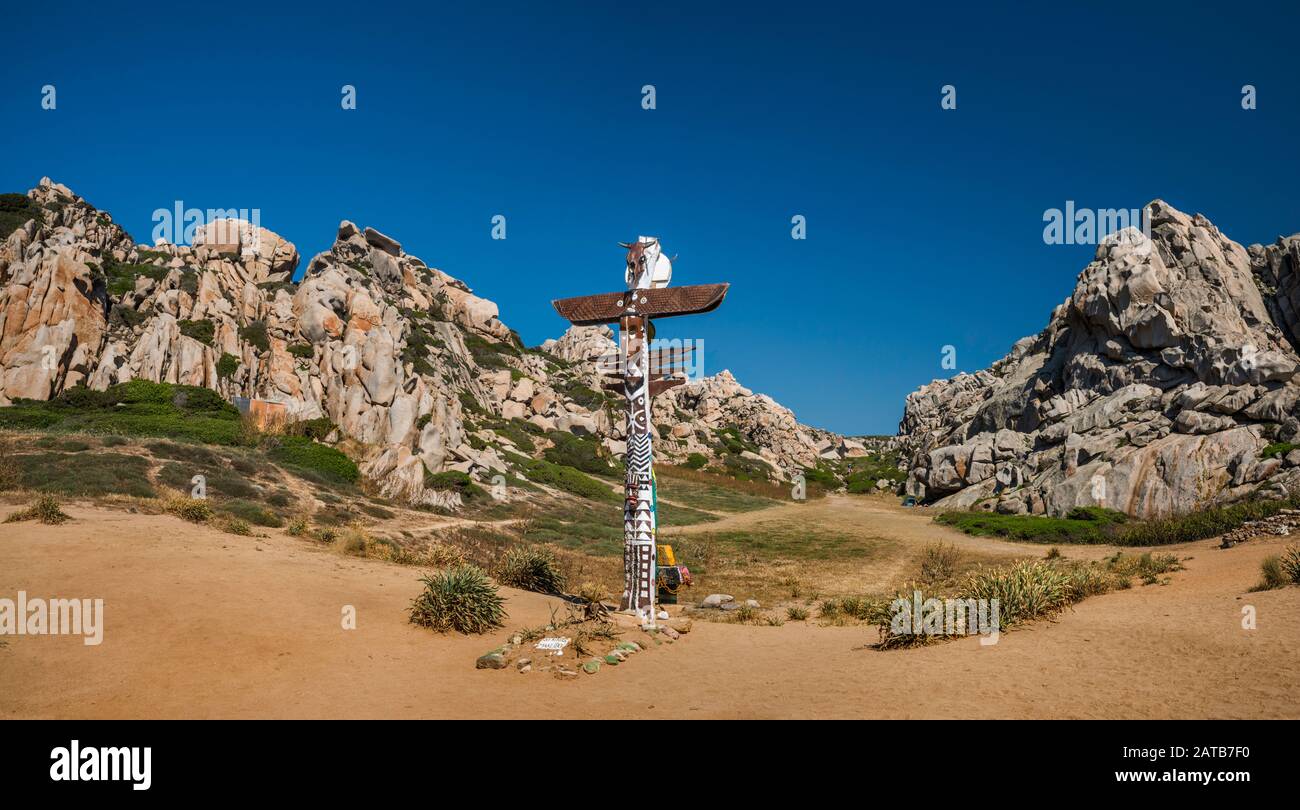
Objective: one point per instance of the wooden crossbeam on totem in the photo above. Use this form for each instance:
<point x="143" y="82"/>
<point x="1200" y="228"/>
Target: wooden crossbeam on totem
<point x="661" y="302"/>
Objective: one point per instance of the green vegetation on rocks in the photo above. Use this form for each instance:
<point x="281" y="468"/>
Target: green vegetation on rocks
<point x="453" y="480"/>
<point x="202" y="331"/>
<point x="15" y="211"/>
<point x="255" y="334"/>
<point x="120" y="277"/>
<point x="227" y="366"/>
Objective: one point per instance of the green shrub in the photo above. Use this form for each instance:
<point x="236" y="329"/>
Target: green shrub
<point x="195" y="510"/>
<point x="202" y="331"/>
<point x="461" y="599"/>
<point x="939" y="563"/>
<point x="136" y="408"/>
<point x="227" y="366"/>
<point x="195" y="400"/>
<point x="1096" y="513"/>
<point x="251" y="512"/>
<point x="65" y="445"/>
<point x="15" y="211"/>
<point x="327" y="534"/>
<point x="454" y="480"/>
<point x="583" y="453"/>
<point x="1025" y="590"/>
<point x="319" y="428"/>
<point x="305" y="454"/>
<point x="45" y="508"/>
<point x="416" y="351"/>
<point x="184" y="452"/>
<point x="862" y="473"/>
<point x="120" y="277"/>
<point x="301" y="350"/>
<point x="469" y="404"/>
<point x="581" y="394"/>
<point x="11" y="472"/>
<point x="821" y="477"/>
<point x="120" y="315"/>
<point x="532" y="568"/>
<point x="1201" y="524"/>
<point x="255" y="334"/>
<point x="1143" y="565"/>
<point x="28" y="417"/>
<point x="796" y="614"/>
<point x="518" y="431"/>
<point x="237" y="526"/>
<point x="1278" y="449"/>
<point x="696" y="461"/>
<point x="569" y="480"/>
<point x="79" y="397"/>
<point x="1291" y="564"/>
<point x="85" y="474"/>
<point x="1030" y="528"/>
<point x="1272" y="575"/>
<point x="745" y="469"/>
<point x="733" y="441"/>
<point x="488" y="354"/>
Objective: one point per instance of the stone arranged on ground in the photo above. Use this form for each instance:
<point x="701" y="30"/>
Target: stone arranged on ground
<point x="1279" y="525"/>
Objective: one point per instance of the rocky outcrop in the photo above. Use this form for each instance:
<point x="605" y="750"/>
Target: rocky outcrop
<point x="692" y="414"/>
<point x="417" y="372"/>
<point x="1152" y="389"/>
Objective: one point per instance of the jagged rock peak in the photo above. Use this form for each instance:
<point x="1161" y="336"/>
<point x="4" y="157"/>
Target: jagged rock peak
<point x="1152" y="389"/>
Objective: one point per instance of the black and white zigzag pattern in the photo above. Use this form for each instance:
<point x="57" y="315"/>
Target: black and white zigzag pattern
<point x="638" y="452"/>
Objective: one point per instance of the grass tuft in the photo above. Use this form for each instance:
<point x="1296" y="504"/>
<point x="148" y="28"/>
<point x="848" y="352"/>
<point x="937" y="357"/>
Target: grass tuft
<point x="1271" y="574"/>
<point x="45" y="509"/>
<point x="195" y="510"/>
<point x="532" y="568"/>
<point x="461" y="599"/>
<point x="1291" y="564"/>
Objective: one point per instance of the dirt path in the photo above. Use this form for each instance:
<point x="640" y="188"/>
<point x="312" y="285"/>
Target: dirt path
<point x="203" y="624"/>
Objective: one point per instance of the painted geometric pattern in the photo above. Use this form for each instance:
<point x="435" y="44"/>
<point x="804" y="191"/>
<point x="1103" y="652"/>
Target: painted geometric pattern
<point x="639" y="521"/>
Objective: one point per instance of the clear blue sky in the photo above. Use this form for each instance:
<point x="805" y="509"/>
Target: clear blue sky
<point x="924" y="225"/>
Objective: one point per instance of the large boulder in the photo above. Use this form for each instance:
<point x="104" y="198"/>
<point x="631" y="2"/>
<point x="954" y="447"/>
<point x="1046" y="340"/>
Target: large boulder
<point x="1169" y="364"/>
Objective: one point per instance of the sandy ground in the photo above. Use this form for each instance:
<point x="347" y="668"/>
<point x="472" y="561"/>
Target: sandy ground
<point x="204" y="624"/>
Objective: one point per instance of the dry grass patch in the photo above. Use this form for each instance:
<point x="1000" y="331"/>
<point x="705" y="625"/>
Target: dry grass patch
<point x="195" y="510"/>
<point x="44" y="509"/>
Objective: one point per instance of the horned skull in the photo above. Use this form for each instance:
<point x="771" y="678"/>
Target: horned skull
<point x="641" y="258"/>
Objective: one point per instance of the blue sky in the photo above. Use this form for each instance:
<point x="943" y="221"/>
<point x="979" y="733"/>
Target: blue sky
<point x="924" y="226"/>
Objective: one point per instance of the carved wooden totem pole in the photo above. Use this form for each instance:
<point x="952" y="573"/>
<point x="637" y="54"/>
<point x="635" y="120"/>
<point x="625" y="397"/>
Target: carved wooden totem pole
<point x="639" y="373"/>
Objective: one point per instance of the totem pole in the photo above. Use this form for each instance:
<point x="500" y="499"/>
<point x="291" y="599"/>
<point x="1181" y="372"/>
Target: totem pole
<point x="639" y="373"/>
